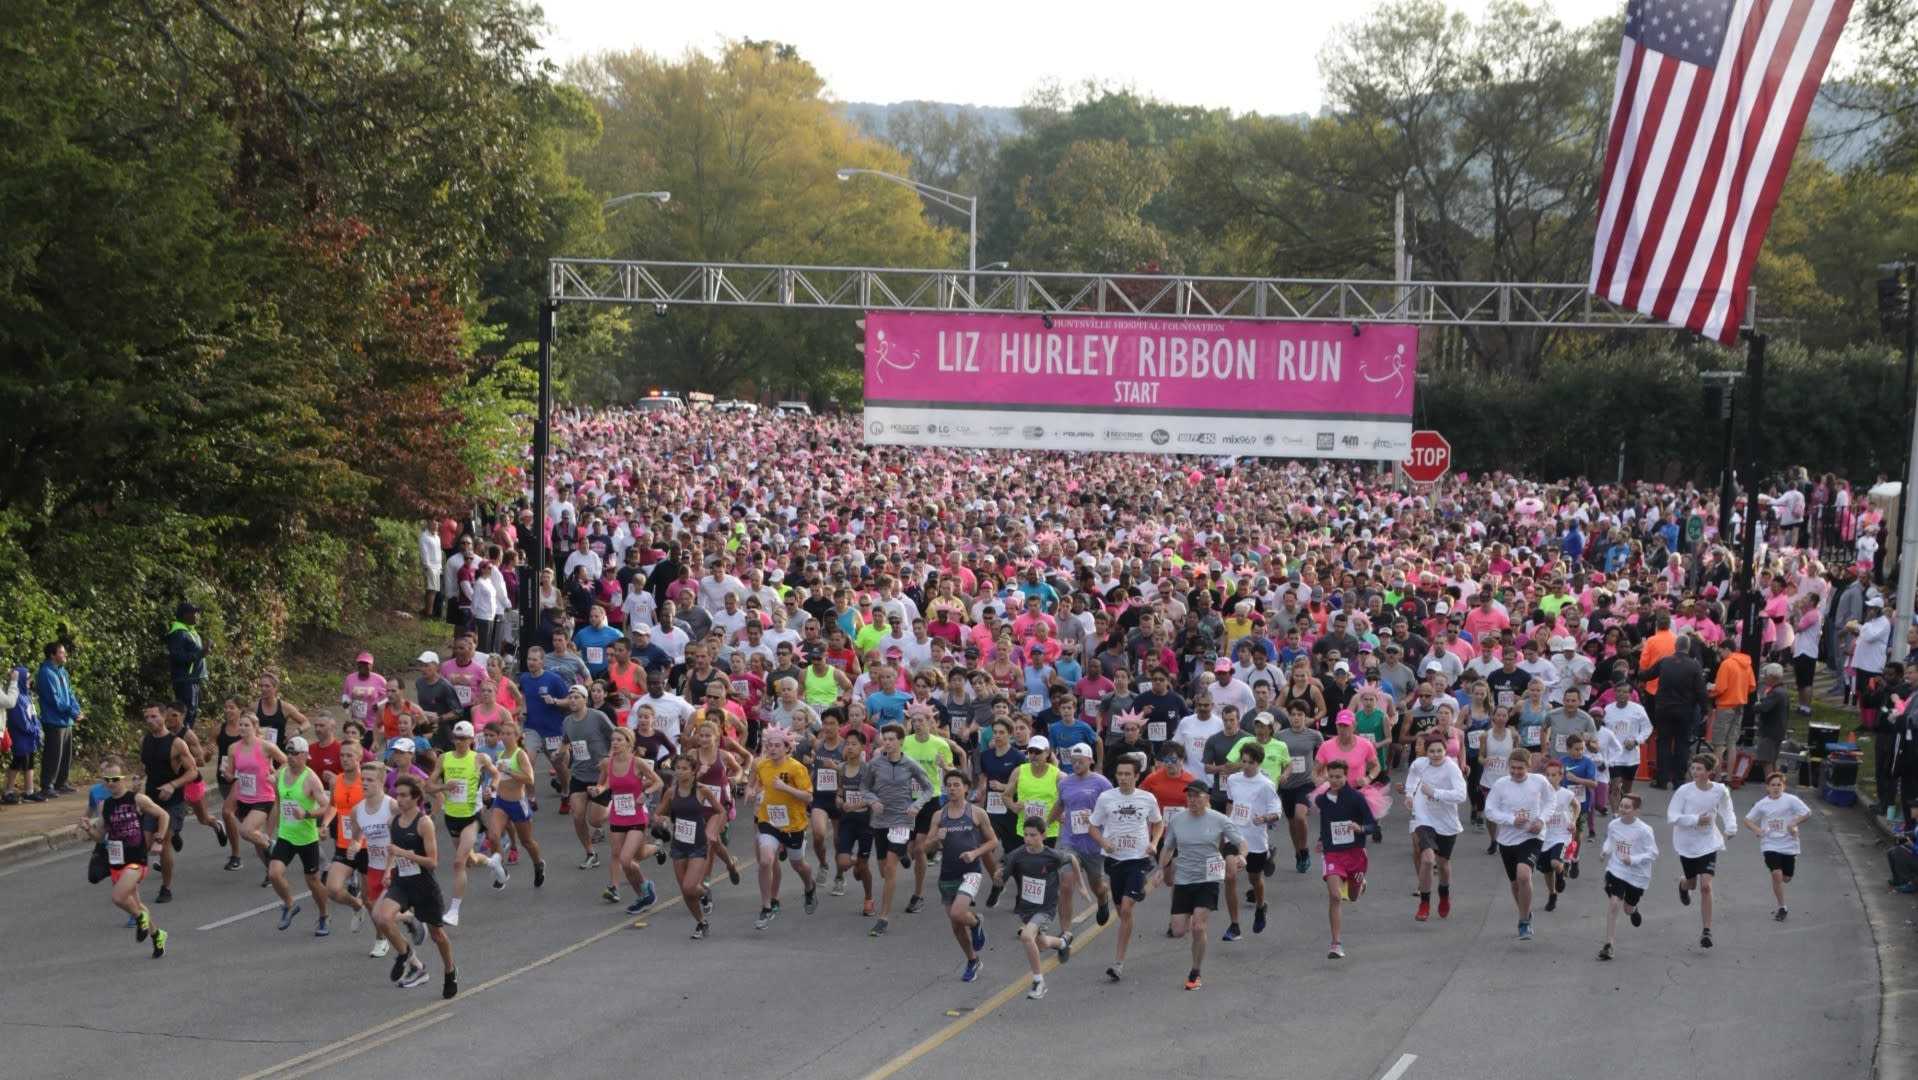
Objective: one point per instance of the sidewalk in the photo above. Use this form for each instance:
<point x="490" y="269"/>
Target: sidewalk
<point x="30" y="829"/>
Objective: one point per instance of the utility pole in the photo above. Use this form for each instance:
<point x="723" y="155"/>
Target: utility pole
<point x="1748" y="547"/>
<point x="1907" y="506"/>
<point x="542" y="445"/>
<point x="1727" y="384"/>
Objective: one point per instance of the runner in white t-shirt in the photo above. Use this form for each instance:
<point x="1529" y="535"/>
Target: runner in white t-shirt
<point x="1126" y="824"/>
<point x="1775" y="818"/>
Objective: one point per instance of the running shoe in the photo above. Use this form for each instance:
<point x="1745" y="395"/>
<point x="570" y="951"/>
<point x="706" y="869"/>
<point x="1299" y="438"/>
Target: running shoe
<point x="732" y="874"/>
<point x="992" y="898"/>
<point x="159" y="944"/>
<point x="1258" y="919"/>
<point x="1115" y="973"/>
<point x="219" y="835"/>
<point x="451" y="917"/>
<point x="176" y="841"/>
<point x="416" y="930"/>
<point x="498" y="867"/>
<point x="1251" y="896"/>
<point x="915" y="905"/>
<point x="1302" y="861"/>
<point x="775" y="905"/>
<point x="380" y="949"/>
<point x="353" y="885"/>
<point x="320" y="929"/>
<point x="1104" y="914"/>
<point x="539" y="873"/>
<point x="359" y="920"/>
<point x="1637" y="919"/>
<point x="599" y="836"/>
<point x="1192" y="981"/>
<point x="838" y="886"/>
<point x="399" y="966"/>
<point x="1039" y="989"/>
<point x="164" y="896"/>
<point x="1336" y="952"/>
<point x="1445" y="905"/>
<point x="699" y="931"/>
<point x="1779" y="915"/>
<point x="286" y="915"/>
<point x="1424" y="912"/>
<point x="1065" y="946"/>
<point x="765" y="919"/>
<point x="1231" y="933"/>
<point x="781" y="856"/>
<point x="451" y="986"/>
<point x="142" y="926"/>
<point x="705" y="903"/>
<point x="1525" y="930"/>
<point x="610" y="894"/>
<point x="866" y="909"/>
<point x="972" y="970"/>
<point x="1270" y="867"/>
<point x="415" y="973"/>
<point x="1492" y="848"/>
<point x="1684" y="896"/>
<point x="1705" y="939"/>
<point x="1573" y="872"/>
<point x="979" y="934"/>
<point x="878" y="929"/>
<point x="1551" y="901"/>
<point x="650" y="898"/>
<point x="233" y="862"/>
<point x="590" y="862"/>
<point x="512" y="856"/>
<point x="1605" y="952"/>
<point x="812" y="901"/>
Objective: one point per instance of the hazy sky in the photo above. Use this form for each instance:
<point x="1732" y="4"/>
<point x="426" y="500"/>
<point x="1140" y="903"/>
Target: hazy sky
<point x="1246" y="56"/>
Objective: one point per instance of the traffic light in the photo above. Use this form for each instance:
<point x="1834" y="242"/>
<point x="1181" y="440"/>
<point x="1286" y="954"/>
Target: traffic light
<point x="1894" y="303"/>
<point x="861" y="345"/>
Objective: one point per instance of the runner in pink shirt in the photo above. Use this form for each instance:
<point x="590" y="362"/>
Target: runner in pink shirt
<point x="363" y="690"/>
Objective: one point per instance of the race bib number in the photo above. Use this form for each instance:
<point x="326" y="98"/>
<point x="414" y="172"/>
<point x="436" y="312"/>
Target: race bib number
<point x="995" y="802"/>
<point x="969" y="884"/>
<point x="1241" y="814"/>
<point x="595" y="654"/>
<point x="777" y="816"/>
<point x="376" y="855"/>
<point x="1475" y="739"/>
<point x="116" y="853"/>
<point x="855" y="799"/>
<point x="359" y="710"/>
<point x="1032" y="890"/>
<point x="1081" y="822"/>
<point x="1344" y="832"/>
<point x="1558" y="744"/>
<point x="826" y="780"/>
<point x="271" y="735"/>
<point x="1776" y="827"/>
<point x="897" y="834"/>
<point x="624" y="805"/>
<point x="249" y="785"/>
<point x="580" y="752"/>
<point x="552" y="743"/>
<point x="1035" y="811"/>
<point x="1298" y="766"/>
<point x="456" y="792"/>
<point x="1624" y="849"/>
<point x="1215" y="868"/>
<point x="464" y="693"/>
<point x="685" y="830"/>
<point x="1036" y="703"/>
<point x="1155" y="731"/>
<point x="289" y="810"/>
<point x="407" y="868"/>
<point x="1495" y="765"/>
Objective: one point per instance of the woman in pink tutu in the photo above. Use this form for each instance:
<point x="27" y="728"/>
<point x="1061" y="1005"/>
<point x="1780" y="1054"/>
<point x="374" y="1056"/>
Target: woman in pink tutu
<point x="1361" y="760"/>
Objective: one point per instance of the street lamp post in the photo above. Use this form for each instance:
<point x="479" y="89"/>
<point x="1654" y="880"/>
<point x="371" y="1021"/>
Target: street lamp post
<point x="951" y="200"/>
<point x="542" y="442"/>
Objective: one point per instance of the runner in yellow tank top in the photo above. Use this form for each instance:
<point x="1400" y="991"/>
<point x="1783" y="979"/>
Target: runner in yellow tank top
<point x="456" y="776"/>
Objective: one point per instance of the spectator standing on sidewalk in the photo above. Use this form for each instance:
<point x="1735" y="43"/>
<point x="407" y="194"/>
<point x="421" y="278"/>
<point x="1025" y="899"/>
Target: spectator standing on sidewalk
<point x="186" y="659"/>
<point x="59" y="711"/>
<point x="432" y="562"/>
<point x="23" y="731"/>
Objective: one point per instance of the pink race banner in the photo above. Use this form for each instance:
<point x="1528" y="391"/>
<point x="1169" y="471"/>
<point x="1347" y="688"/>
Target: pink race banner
<point x="1140" y="384"/>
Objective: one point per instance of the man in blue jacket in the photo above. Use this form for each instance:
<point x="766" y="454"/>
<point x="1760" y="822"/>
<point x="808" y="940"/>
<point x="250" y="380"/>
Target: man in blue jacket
<point x="59" y="711"/>
<point x="186" y="659"/>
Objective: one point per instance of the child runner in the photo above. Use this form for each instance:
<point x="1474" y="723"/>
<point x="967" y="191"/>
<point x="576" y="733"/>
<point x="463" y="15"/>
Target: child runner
<point x="1701" y="816"/>
<point x="1345" y="819"/>
<point x="1630" y="849"/>
<point x="1775" y="818"/>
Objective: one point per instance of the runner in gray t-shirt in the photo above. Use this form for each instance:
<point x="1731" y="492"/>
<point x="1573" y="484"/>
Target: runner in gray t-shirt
<point x="890" y="780"/>
<point x="587" y="737"/>
<point x="1569" y="719"/>
<point x="1295" y="791"/>
<point x="1033" y="871"/>
<point x="1202" y="856"/>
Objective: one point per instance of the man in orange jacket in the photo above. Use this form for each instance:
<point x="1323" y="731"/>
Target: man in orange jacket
<point x="1731" y="688"/>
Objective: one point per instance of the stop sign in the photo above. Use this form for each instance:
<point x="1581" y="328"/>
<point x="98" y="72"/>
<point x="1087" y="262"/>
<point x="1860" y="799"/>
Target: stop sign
<point x="1430" y="457"/>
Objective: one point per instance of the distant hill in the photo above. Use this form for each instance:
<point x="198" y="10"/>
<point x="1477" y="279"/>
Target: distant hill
<point x="872" y="116"/>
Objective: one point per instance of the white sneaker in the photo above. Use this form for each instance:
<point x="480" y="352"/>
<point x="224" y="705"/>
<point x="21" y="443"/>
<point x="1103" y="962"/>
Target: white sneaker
<point x="452" y="915"/>
<point x="381" y="948"/>
<point x="498" y="867"/>
<point x="359" y="920"/>
<point x="1038" y="989"/>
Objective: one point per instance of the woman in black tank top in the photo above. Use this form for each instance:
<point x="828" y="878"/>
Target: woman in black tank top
<point x="964" y="840"/>
<point x="688" y="806"/>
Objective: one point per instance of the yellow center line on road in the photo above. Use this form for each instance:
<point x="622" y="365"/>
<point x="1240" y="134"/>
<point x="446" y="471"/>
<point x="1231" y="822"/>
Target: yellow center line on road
<point x="375" y="1044"/>
<point x="953" y="1030"/>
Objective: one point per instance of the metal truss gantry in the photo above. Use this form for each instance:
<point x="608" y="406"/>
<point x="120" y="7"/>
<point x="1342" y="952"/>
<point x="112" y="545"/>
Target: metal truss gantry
<point x="1025" y="292"/>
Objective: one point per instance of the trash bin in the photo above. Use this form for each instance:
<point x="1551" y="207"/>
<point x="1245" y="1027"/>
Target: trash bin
<point x="1817" y="738"/>
<point x="1838" y="781"/>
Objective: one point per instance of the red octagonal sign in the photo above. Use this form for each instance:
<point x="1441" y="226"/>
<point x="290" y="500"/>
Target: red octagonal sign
<point x="1431" y="457"/>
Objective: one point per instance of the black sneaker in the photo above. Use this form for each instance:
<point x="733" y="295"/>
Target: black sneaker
<point x="915" y="905"/>
<point x="451" y="986"/>
<point x="1684" y="896"/>
<point x="992" y="898"/>
<point x="812" y="901"/>
<point x="1605" y="952"/>
<point x="699" y="931"/>
<point x="1551" y="902"/>
<point x="219" y="834"/>
<point x="1065" y="946"/>
<point x="1779" y="915"/>
<point x="539" y="873"/>
<point x="399" y="965"/>
<point x="1104" y="914"/>
<point x="1258" y="919"/>
<point x="1705" y="940"/>
<point x="233" y="862"/>
<point x="1637" y="919"/>
<point x="165" y="896"/>
<point x="176" y="841"/>
<point x="1302" y="861"/>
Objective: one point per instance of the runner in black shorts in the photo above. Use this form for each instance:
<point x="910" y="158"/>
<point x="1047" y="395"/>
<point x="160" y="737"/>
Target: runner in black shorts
<point x="852" y="829"/>
<point x="686" y="807"/>
<point x="414" y="851"/>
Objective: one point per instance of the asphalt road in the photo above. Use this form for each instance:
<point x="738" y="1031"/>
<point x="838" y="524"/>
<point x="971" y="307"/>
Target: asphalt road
<point x="555" y="982"/>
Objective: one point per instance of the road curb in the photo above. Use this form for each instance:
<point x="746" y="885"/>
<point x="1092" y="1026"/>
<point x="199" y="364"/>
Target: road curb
<point x="26" y="847"/>
<point x="1897" y="953"/>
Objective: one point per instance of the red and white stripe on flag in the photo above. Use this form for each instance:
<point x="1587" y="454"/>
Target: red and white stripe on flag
<point x="1710" y="101"/>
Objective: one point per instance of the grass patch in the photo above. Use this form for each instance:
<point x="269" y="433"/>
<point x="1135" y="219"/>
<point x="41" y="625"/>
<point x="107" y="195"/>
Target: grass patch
<point x="315" y="665"/>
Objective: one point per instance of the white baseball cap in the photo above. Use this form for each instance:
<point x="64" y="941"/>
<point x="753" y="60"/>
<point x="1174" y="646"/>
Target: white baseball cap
<point x="401" y="745"/>
<point x="1038" y="742"/>
<point x="296" y="745"/>
<point x="429" y="657"/>
<point x="463" y="729"/>
<point x="1080" y="750"/>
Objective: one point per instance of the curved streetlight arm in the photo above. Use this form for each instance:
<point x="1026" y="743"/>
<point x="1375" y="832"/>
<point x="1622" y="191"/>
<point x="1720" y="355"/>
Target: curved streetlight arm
<point x="952" y="200"/>
<point x="614" y="203"/>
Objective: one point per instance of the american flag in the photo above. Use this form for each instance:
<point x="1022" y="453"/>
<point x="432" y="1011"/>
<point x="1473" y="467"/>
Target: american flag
<point x="1710" y="100"/>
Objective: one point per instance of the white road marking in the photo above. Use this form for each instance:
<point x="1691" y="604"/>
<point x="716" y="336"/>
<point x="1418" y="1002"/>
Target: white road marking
<point x="248" y="914"/>
<point x="1405" y="1062"/>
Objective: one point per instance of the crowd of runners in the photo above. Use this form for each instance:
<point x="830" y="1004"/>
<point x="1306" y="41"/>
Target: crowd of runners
<point x="1029" y="684"/>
